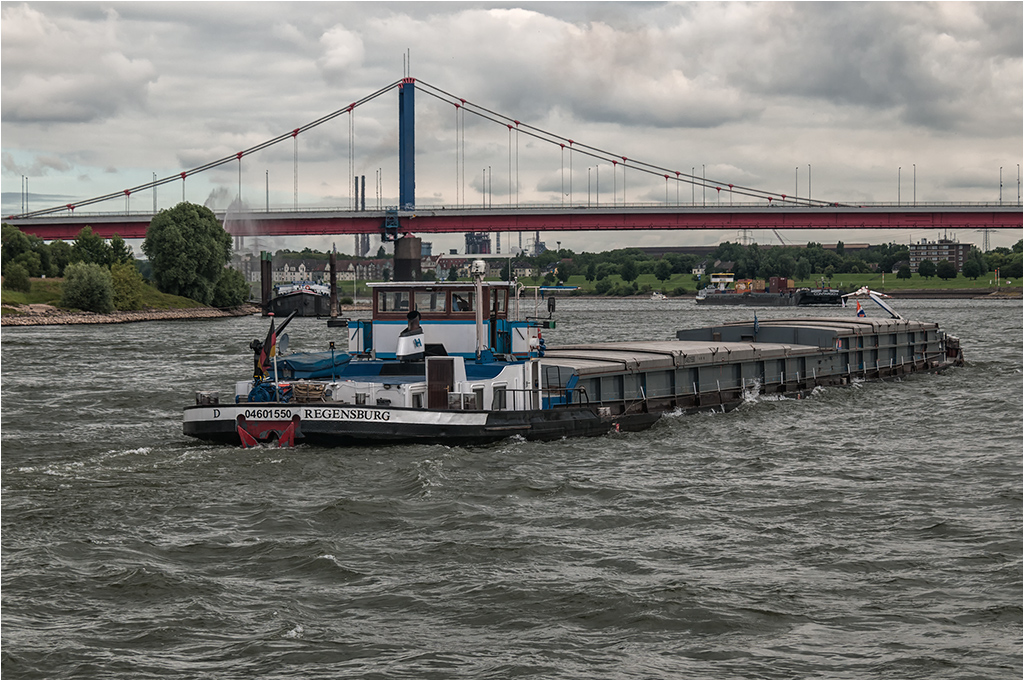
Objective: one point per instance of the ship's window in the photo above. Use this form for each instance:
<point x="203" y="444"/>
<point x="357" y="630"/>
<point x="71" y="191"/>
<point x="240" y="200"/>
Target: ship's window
<point x="462" y="301"/>
<point x="417" y="400"/>
<point x="393" y="301"/>
<point x="499" y="300"/>
<point x="498" y="398"/>
<point x="430" y="302"/>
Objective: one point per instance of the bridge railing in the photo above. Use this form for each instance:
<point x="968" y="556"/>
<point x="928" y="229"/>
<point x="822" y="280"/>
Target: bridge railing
<point x="652" y="206"/>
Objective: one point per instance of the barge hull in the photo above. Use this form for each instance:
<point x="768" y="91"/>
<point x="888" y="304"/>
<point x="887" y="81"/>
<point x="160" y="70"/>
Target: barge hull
<point x="590" y="390"/>
<point x="324" y="424"/>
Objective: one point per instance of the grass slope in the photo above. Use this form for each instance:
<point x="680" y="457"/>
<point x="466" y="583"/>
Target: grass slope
<point x="48" y="292"/>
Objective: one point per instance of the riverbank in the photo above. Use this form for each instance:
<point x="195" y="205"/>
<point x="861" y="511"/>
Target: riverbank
<point x="953" y="293"/>
<point x="39" y="315"/>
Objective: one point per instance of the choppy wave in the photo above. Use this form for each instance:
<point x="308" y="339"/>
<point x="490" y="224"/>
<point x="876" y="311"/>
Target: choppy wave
<point x="872" y="532"/>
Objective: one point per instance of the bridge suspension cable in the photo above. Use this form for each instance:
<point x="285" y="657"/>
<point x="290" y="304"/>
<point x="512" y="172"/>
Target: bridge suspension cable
<point x="221" y="161"/>
<point x="607" y="156"/>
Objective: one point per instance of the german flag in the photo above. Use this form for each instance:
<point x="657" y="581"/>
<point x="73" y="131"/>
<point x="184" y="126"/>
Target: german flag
<point x="270" y="344"/>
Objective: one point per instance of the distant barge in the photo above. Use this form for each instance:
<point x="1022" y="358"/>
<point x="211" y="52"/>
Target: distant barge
<point x="799" y="297"/>
<point x="458" y="364"/>
<point x="779" y="292"/>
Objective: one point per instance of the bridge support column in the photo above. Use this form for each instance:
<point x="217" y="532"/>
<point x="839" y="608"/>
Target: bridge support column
<point x="407" y="144"/>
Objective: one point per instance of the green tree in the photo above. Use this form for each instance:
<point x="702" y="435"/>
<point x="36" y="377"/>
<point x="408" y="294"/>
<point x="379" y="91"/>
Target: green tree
<point x="231" y="290"/>
<point x="904" y="272"/>
<point x="90" y="247"/>
<point x="972" y="270"/>
<point x="453" y="274"/>
<point x="829" y="272"/>
<point x="381" y="254"/>
<point x="32" y="263"/>
<point x="87" y="286"/>
<point x="803" y="269"/>
<point x="606" y="269"/>
<point x="16" y="278"/>
<point x="61" y="255"/>
<point x="628" y="271"/>
<point x="785" y="266"/>
<point x="120" y="251"/>
<point x="926" y="269"/>
<point x="29" y="251"/>
<point x="978" y="258"/>
<point x="592" y="271"/>
<point x="187" y="248"/>
<point x="945" y="270"/>
<point x="663" y="271"/>
<point x="128" y="284"/>
<point x="15" y="242"/>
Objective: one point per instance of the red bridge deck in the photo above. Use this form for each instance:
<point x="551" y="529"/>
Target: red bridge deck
<point x="548" y="219"/>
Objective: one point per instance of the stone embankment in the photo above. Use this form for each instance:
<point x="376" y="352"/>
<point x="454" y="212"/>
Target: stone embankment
<point x="36" y="315"/>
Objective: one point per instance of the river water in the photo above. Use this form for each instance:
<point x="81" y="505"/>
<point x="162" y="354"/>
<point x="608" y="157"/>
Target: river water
<point x="872" y="531"/>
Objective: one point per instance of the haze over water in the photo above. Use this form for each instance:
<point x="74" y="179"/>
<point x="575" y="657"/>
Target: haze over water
<point x="872" y="531"/>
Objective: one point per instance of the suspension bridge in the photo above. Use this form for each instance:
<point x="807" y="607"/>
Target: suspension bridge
<point x="714" y="204"/>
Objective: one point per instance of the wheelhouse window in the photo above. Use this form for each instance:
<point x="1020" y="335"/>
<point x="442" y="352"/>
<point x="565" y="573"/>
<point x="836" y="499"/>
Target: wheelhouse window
<point x="431" y="302"/>
<point x="463" y="301"/>
<point x="392" y="301"/>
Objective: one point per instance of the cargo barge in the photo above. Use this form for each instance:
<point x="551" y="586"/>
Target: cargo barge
<point x="779" y="292"/>
<point x="462" y="364"/>
<point x="304" y="299"/>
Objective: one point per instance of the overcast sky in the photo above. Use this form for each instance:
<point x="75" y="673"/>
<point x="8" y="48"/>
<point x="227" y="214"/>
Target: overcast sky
<point x="97" y="97"/>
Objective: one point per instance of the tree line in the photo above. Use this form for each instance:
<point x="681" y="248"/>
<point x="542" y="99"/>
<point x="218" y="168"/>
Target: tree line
<point x="187" y="249"/>
<point x="755" y="262"/>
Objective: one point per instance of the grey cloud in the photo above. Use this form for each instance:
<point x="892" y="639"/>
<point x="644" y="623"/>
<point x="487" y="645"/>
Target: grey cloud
<point x="40" y="165"/>
<point x="59" y="72"/>
<point x="917" y="60"/>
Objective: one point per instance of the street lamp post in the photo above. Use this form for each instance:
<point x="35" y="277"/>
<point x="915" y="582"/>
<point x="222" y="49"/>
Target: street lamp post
<point x="899" y="171"/>
<point x="1000" y="185"/>
<point x="915" y="184"/>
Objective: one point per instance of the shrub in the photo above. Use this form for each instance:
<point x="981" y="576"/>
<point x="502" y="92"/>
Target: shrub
<point x="128" y="285"/>
<point x="87" y="286"/>
<point x="16" y="278"/>
<point x="231" y="289"/>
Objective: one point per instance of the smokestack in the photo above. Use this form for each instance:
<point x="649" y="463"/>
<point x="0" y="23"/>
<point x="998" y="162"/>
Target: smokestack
<point x="334" y="284"/>
<point x="407" y="258"/>
<point x="266" y="279"/>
